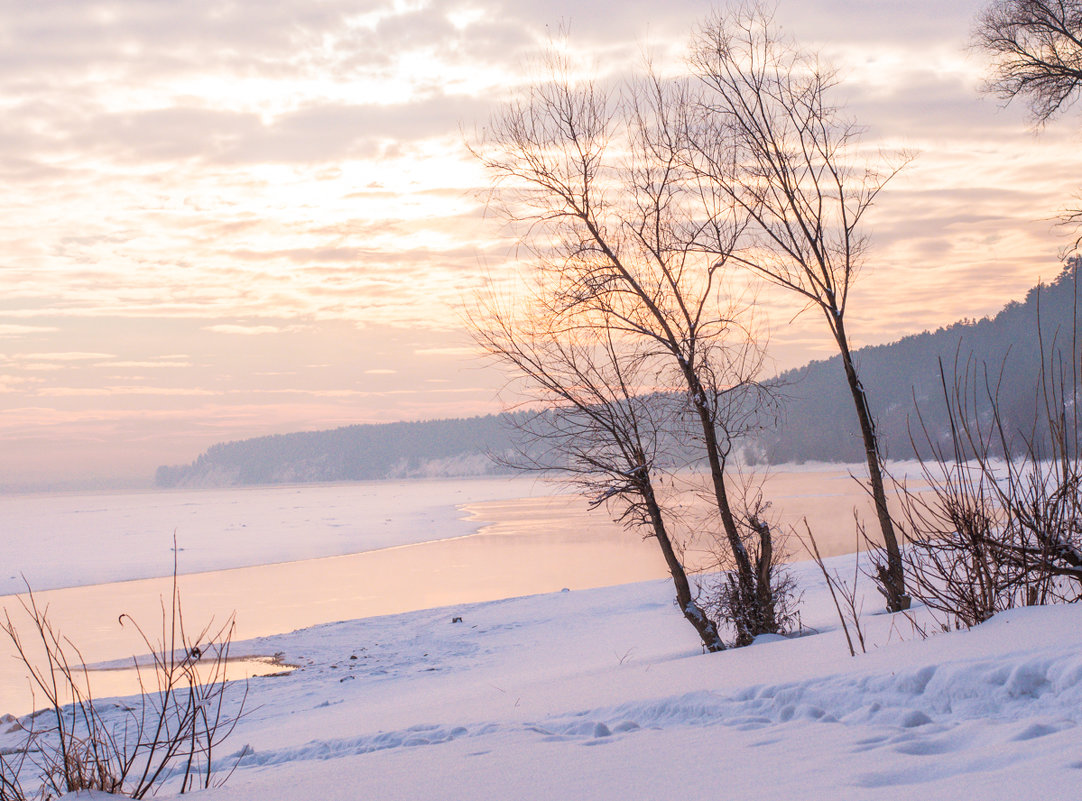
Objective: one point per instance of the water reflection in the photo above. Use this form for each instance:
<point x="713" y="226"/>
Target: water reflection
<point x="540" y="545"/>
<point x="108" y="682"/>
<point x="526" y="546"/>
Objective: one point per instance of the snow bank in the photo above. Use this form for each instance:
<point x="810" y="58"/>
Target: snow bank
<point x="606" y="694"/>
<point x="515" y="701"/>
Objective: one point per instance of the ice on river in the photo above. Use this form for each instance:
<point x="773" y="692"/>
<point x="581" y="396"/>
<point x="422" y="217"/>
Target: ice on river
<point x="74" y="539"/>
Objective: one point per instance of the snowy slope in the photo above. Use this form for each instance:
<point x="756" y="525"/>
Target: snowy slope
<point x="605" y="694"/>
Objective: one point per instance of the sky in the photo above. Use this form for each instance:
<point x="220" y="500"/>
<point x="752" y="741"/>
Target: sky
<point x="230" y="219"/>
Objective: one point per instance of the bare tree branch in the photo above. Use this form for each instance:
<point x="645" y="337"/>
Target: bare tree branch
<point x="627" y="306"/>
<point x="768" y="136"/>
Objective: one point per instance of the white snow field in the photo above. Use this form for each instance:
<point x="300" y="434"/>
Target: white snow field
<point x="605" y="694"/>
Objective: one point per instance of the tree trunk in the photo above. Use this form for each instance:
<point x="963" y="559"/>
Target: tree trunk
<point x="708" y="632"/>
<point x="746" y="585"/>
<point x="891" y="577"/>
<point x="764" y="594"/>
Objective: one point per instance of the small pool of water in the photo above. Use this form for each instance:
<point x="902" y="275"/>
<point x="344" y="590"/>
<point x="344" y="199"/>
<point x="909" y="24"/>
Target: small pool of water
<point x="108" y="682"/>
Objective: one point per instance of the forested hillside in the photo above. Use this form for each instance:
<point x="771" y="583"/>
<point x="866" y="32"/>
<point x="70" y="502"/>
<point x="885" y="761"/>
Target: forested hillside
<point x="459" y="447"/>
<point x="1003" y="351"/>
<point x="818" y="422"/>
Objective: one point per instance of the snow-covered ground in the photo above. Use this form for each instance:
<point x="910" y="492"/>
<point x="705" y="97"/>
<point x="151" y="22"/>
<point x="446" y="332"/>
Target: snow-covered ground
<point x="605" y="694"/>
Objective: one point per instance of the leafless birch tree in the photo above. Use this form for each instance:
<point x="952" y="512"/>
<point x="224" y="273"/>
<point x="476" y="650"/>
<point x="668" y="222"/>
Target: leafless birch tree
<point x="771" y="140"/>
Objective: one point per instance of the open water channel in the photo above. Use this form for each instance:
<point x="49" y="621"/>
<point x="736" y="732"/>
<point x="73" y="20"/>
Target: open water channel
<point x="462" y="541"/>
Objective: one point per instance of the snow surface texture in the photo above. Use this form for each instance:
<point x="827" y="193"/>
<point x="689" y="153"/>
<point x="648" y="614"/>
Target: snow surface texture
<point x="97" y="538"/>
<point x="605" y="694"/>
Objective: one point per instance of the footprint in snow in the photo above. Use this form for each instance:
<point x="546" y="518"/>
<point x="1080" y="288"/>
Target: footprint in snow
<point x="1035" y="730"/>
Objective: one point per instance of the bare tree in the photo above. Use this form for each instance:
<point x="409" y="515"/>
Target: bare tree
<point x="601" y="425"/>
<point x="627" y="240"/>
<point x="769" y="137"/>
<point x="1036" y="47"/>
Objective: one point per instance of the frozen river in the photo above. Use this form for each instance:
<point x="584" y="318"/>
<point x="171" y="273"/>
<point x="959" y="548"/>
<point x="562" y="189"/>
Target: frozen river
<point x="289" y="557"/>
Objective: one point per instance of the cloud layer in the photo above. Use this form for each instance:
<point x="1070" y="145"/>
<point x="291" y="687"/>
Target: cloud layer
<point x="237" y="218"/>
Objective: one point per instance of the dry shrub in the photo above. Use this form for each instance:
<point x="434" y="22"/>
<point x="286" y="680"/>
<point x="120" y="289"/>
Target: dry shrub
<point x="1000" y="524"/>
<point x="769" y="605"/>
<point x="843" y="593"/>
<point x="168" y="736"/>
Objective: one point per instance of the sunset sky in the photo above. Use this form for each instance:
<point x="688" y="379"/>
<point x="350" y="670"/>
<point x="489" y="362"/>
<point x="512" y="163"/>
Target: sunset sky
<point x="228" y="219"/>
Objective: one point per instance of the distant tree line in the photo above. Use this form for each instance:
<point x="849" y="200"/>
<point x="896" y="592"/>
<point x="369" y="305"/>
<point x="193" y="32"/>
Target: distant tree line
<point x="457" y="447"/>
<point x="1003" y="349"/>
<point x="896" y="375"/>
